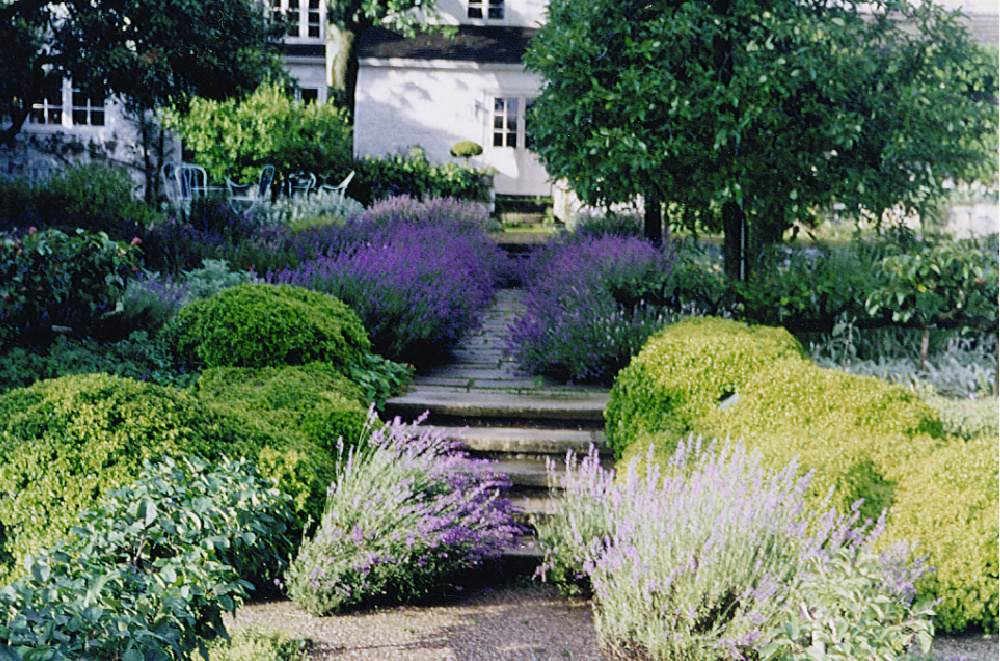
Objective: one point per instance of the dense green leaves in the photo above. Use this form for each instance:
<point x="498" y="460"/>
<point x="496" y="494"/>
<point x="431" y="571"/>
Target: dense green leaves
<point x="768" y="110"/>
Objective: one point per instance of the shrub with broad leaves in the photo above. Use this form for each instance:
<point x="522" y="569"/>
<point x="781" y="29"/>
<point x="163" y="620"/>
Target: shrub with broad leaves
<point x="51" y="277"/>
<point x="405" y="513"/>
<point x="148" y="573"/>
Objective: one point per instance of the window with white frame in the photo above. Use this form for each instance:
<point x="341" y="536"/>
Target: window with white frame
<point x="63" y="105"/>
<point x="510" y="114"/>
<point x="302" y="18"/>
<point x="486" y="9"/>
<point x="49" y="107"/>
<point x="88" y="109"/>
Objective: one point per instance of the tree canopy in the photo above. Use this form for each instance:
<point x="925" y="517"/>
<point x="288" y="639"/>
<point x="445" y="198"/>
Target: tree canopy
<point x="744" y="116"/>
<point x="149" y="53"/>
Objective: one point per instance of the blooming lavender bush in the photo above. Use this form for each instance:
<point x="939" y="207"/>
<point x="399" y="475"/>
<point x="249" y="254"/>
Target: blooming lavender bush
<point x="591" y="308"/>
<point x="707" y="558"/>
<point x="405" y="512"/>
<point x="419" y="274"/>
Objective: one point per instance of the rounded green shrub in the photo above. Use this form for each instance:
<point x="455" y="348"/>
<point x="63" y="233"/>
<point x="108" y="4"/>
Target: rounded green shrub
<point x="686" y="371"/>
<point x="948" y="501"/>
<point x="865" y="439"/>
<point x="314" y="400"/>
<point x="259" y="325"/>
<point x="64" y="442"/>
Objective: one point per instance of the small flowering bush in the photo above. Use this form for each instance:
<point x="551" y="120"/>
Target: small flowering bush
<point x="52" y="277"/>
<point x="591" y="308"/>
<point x="711" y="555"/>
<point x="405" y="512"/>
<point x="419" y="274"/>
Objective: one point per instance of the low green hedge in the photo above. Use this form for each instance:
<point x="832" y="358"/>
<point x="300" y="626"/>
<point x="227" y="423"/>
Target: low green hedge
<point x="865" y="439"/>
<point x="685" y="371"/>
<point x="313" y="400"/>
<point x="64" y="442"/>
<point x="259" y="325"/>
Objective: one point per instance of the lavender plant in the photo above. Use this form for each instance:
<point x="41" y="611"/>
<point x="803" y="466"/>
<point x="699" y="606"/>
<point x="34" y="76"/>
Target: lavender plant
<point x="703" y="558"/>
<point x="419" y="274"/>
<point x="591" y="308"/>
<point x="405" y="512"/>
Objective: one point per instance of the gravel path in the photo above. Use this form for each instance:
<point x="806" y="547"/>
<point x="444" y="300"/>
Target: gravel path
<point x="516" y="622"/>
<point x="529" y="622"/>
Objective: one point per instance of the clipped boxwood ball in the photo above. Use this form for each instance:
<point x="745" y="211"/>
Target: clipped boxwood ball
<point x="465" y="149"/>
<point x="260" y="325"/>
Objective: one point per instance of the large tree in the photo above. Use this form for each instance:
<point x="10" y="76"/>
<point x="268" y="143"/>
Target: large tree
<point x="743" y="116"/>
<point x="148" y="53"/>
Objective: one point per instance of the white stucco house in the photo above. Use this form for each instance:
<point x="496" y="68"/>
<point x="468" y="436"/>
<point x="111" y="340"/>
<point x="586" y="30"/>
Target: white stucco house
<point x="432" y="91"/>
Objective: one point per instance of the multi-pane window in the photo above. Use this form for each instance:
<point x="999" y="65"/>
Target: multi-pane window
<point x="490" y="9"/>
<point x="63" y="105"/>
<point x="49" y="108"/>
<point x="509" y="117"/>
<point x="88" y="109"/>
<point x="302" y="18"/>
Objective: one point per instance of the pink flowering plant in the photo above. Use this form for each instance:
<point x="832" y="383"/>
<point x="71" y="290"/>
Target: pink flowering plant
<point x="406" y="512"/>
<point x="714" y="556"/>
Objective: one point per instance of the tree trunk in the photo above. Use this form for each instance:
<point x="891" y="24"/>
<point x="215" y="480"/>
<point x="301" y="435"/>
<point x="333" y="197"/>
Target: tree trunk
<point x="653" y="218"/>
<point x="342" y="65"/>
<point x="734" y="241"/>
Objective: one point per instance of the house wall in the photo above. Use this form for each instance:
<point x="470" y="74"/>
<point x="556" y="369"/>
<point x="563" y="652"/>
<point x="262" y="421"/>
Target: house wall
<point x="523" y="13"/>
<point x="434" y="104"/>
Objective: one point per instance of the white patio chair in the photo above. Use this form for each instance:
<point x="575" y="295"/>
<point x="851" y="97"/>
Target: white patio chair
<point x="300" y="183"/>
<point x="184" y="183"/>
<point x="340" y="190"/>
<point x="247" y="196"/>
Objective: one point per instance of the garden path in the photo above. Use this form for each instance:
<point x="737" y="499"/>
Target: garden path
<point x="483" y="398"/>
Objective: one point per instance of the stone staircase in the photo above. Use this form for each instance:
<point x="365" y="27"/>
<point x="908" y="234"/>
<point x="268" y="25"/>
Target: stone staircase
<point x="483" y="400"/>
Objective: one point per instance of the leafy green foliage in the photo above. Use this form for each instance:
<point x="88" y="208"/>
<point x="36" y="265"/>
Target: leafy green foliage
<point x="946" y="284"/>
<point x="257" y="325"/>
<point x="66" y="441"/>
<point x="466" y="149"/>
<point x="90" y="196"/>
<point x="139" y="356"/>
<point x="51" y="277"/>
<point x="840" y="611"/>
<point x="947" y="500"/>
<point x="235" y="137"/>
<point x="314" y="400"/>
<point x="413" y="175"/>
<point x="684" y="372"/>
<point x="762" y="112"/>
<point x="149" y="571"/>
<point x="256" y="645"/>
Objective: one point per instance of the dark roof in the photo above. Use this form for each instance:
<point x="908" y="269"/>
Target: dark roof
<point x="473" y="43"/>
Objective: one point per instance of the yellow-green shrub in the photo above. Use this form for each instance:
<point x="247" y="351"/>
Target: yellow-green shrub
<point x="865" y="439"/>
<point x="258" y="325"/>
<point x="948" y="501"/>
<point x="683" y="373"/>
<point x="313" y="400"/>
<point x="64" y="442"/>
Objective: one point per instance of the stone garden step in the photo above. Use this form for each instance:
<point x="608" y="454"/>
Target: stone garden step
<point x="573" y="407"/>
